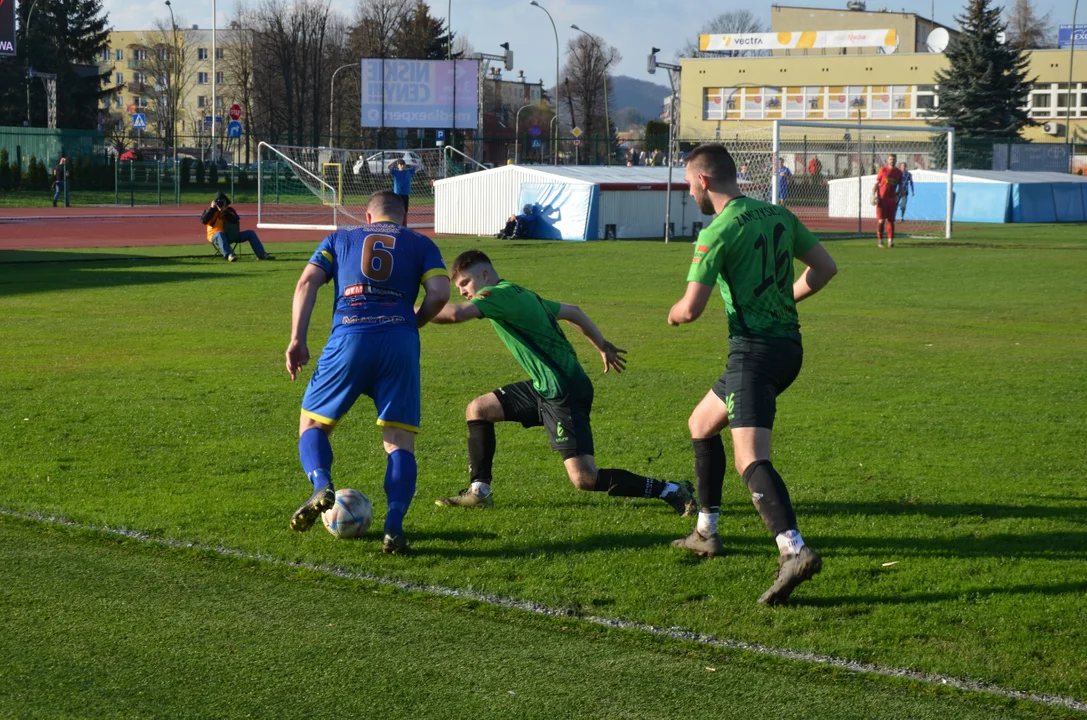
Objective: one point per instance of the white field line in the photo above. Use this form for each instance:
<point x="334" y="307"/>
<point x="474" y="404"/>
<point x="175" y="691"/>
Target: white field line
<point x="673" y="633"/>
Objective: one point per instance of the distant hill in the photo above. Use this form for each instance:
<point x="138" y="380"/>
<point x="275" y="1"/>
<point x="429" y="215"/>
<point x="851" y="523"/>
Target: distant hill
<point x="633" y="101"/>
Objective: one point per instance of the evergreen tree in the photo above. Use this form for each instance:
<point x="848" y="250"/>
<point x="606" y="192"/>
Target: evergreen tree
<point x="984" y="91"/>
<point x="66" y="37"/>
<point x="422" y="36"/>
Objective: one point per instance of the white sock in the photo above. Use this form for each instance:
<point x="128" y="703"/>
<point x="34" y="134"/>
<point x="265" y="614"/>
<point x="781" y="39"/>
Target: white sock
<point x="789" y="542"/>
<point x="669" y="488"/>
<point x="707" y="523"/>
<point x="481" y="488"/>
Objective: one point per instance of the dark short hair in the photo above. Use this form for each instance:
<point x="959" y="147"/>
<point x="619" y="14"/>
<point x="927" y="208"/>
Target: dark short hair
<point x="713" y="160"/>
<point x="467" y="260"/>
<point x="386" y="202"/>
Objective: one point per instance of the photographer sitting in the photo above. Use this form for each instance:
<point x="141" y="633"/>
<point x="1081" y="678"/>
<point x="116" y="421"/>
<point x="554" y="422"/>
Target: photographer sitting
<point x="224" y="228"/>
<point x="521" y="226"/>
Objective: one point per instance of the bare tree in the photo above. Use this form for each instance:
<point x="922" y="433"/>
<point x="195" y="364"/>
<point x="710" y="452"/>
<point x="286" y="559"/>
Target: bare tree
<point x="164" y="76"/>
<point x="462" y="46"/>
<point x="734" y="21"/>
<point x="376" y="24"/>
<point x="238" y="68"/>
<point x="1026" y="29"/>
<point x="588" y="61"/>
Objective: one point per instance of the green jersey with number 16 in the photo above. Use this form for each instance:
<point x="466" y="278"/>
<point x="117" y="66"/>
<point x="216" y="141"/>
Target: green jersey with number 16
<point x="748" y="251"/>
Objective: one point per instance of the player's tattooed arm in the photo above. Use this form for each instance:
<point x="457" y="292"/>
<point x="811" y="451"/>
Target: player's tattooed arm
<point x="691" y="305"/>
<point x="614" y="357"/>
<point x="305" y="295"/>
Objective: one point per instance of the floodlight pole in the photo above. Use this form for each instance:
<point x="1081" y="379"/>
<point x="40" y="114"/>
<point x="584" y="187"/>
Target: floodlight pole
<point x="555" y="144"/>
<point x="607" y="121"/>
<point x="674" y="77"/>
<point x="26" y="42"/>
<point x="1069" y="95"/>
<point x="174" y="100"/>
<point x="332" y="98"/>
<point x="517" y="134"/>
<point x="485" y="65"/>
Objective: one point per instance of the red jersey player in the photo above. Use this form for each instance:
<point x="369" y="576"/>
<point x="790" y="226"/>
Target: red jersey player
<point x="886" y="191"/>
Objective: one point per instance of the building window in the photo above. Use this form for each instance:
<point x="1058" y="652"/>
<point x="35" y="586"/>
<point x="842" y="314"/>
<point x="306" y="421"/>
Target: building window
<point x="218" y="53"/>
<point x="218" y="101"/>
<point x="139" y="54"/>
<point x="119" y="55"/>
<point x="201" y="53"/>
<point x="218" y="78"/>
<point x="202" y="101"/>
<point x="119" y="79"/>
<point x="116" y="101"/>
<point x="139" y="77"/>
<point x="106" y="55"/>
<point x="201" y="78"/>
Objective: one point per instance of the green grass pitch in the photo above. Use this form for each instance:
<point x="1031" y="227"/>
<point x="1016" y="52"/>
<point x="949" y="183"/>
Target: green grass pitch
<point x="933" y="446"/>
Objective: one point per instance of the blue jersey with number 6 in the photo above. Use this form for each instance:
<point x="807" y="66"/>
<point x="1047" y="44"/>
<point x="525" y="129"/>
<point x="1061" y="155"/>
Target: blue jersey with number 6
<point x="377" y="270"/>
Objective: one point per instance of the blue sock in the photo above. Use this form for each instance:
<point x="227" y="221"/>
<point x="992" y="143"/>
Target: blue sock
<point x="315" y="451"/>
<point x="400" y="476"/>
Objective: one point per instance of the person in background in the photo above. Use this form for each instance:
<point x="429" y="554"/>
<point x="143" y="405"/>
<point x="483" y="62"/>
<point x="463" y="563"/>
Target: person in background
<point x="402" y="176"/>
<point x="224" y="229"/>
<point x="522" y="226"/>
<point x="904" y="189"/>
<point x="784" y="175"/>
<point x="60" y="182"/>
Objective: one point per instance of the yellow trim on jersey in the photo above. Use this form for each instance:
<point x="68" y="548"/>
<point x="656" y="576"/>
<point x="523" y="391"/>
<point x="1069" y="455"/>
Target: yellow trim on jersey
<point x="319" y="418"/>
<point x="393" y="423"/>
<point x="328" y="256"/>
<point x="434" y="273"/>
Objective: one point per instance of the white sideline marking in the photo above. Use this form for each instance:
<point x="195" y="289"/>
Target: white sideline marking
<point x="673" y="633"/>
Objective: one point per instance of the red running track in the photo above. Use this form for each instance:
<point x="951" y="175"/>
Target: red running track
<point x="141" y="226"/>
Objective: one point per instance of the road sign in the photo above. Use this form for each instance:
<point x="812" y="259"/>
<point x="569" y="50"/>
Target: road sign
<point x="218" y="120"/>
<point x="235" y="112"/>
<point x="577" y="132"/>
<point x="439" y="134"/>
<point x="139" y="121"/>
<point x="234" y="129"/>
<point x="536" y="144"/>
<point x="534" y="131"/>
<point x="577" y="143"/>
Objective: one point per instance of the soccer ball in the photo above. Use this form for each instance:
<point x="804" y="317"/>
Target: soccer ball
<point x="351" y="516"/>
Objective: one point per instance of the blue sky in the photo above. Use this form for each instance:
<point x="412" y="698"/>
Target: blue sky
<point x="631" y="26"/>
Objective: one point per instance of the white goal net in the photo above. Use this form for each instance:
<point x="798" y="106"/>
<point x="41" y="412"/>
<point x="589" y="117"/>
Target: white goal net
<point x="825" y="172"/>
<point x="308" y="188"/>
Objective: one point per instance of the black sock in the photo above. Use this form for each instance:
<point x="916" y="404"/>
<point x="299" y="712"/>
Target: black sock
<point x="623" y="483"/>
<point x="481" y="446"/>
<point x="709" y="468"/>
<point x="770" y="496"/>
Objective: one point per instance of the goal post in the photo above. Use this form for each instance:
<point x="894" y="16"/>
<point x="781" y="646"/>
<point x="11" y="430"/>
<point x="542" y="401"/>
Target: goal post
<point x="325" y="188"/>
<point x="824" y="172"/>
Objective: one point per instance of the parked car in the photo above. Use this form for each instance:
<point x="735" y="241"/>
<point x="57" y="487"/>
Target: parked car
<point x="379" y="163"/>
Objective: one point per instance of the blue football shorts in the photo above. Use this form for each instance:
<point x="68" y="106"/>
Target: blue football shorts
<point x="383" y="365"/>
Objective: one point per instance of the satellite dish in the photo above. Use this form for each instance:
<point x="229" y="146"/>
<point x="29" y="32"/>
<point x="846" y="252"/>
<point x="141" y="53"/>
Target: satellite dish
<point x="937" y="40"/>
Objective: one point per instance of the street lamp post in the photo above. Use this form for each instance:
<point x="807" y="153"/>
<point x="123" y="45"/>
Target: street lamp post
<point x="607" y="121"/>
<point x="555" y="145"/>
<point x="517" y="134"/>
<point x="174" y="100"/>
<point x="332" y="99"/>
<point x="1070" y="95"/>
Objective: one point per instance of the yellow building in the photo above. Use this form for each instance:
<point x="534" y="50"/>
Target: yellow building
<point x="723" y="96"/>
<point x="135" y="57"/>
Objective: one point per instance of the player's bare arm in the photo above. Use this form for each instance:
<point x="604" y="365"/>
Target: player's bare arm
<point x="436" y="296"/>
<point x="305" y="295"/>
<point x="457" y="313"/>
<point x="691" y="306"/>
<point x="614" y="357"/>
<point x="820" y="269"/>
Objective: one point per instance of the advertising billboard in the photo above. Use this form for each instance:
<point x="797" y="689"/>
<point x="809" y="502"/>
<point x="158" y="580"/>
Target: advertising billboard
<point x="1065" y="34"/>
<point x="7" y="28"/>
<point x="420" y="93"/>
<point x="885" y="38"/>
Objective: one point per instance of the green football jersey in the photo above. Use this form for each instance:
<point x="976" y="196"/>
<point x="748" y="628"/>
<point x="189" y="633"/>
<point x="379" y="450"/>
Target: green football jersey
<point x="530" y="329"/>
<point x="748" y="251"/>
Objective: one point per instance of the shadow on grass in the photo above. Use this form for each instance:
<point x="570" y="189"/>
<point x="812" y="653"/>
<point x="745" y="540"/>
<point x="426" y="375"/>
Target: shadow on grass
<point x="24" y="272"/>
<point x="583" y="546"/>
<point x="951" y="511"/>
<point x="966" y="595"/>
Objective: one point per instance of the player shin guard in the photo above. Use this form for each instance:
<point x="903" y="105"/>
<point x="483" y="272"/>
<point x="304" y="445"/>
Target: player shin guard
<point x="481" y="448"/>
<point x="709" y="469"/>
<point x="315" y="451"/>
<point x="770" y="496"/>
<point x="623" y="483"/>
<point x="400" y="475"/>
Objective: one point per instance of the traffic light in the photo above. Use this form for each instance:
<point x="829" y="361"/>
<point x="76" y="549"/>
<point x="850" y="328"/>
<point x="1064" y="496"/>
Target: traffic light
<point x="509" y="55"/>
<point x="653" y="60"/>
